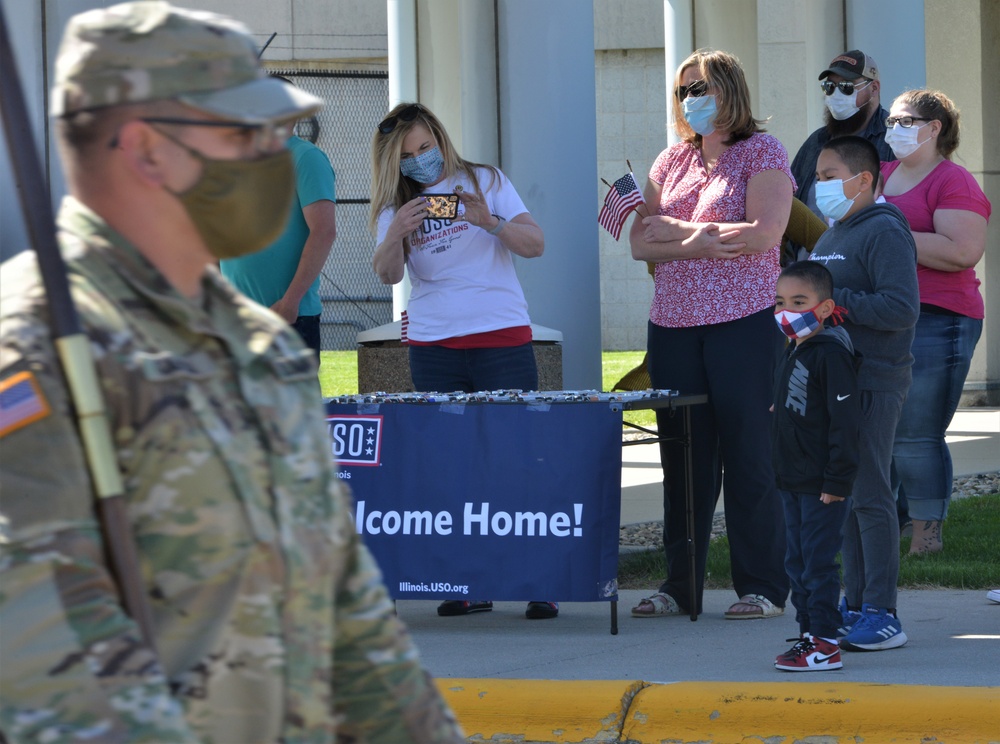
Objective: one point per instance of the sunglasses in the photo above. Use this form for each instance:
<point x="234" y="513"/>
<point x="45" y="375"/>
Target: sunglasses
<point x="408" y="114"/>
<point x="847" y="88"/>
<point x="696" y="90"/>
<point x="904" y="121"/>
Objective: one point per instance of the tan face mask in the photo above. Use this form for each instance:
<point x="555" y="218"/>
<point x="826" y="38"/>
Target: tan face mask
<point x="240" y="206"/>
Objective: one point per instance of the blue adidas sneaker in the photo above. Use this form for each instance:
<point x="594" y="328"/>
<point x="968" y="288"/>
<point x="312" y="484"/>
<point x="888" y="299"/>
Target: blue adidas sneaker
<point x="848" y="618"/>
<point x="875" y="630"/>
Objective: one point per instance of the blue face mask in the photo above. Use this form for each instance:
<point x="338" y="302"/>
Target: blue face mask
<point x="830" y="198"/>
<point x="700" y="113"/>
<point x="425" y="167"/>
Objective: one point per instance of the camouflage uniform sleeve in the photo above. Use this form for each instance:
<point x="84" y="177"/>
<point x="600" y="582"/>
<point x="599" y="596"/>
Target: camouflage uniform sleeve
<point x="382" y="692"/>
<point x="72" y="666"/>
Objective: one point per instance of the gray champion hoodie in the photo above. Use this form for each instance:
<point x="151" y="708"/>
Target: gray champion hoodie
<point x="873" y="259"/>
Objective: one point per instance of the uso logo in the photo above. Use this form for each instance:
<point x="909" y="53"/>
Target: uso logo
<point x="357" y="440"/>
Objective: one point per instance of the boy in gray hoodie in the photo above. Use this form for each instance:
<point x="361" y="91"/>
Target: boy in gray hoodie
<point x="873" y="259"/>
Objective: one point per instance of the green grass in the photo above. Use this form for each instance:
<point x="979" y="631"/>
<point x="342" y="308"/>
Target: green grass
<point x="970" y="559"/>
<point x="338" y="373"/>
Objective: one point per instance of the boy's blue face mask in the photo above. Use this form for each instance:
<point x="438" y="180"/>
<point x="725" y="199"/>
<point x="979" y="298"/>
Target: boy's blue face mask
<point x="425" y="167"/>
<point x="830" y="198"/>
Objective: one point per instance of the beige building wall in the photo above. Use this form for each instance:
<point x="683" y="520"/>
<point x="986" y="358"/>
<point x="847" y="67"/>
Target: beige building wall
<point x="966" y="67"/>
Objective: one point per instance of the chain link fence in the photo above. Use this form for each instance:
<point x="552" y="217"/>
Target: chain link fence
<point x="353" y="297"/>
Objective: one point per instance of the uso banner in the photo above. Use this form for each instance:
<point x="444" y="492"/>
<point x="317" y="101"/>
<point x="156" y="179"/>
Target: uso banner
<point x="507" y="501"/>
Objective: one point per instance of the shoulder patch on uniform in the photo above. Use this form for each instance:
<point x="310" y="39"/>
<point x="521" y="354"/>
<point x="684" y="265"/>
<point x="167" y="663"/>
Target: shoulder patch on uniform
<point x="21" y="402"/>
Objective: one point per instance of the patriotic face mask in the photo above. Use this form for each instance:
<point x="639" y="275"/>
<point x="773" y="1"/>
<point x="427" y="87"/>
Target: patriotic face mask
<point x="797" y="325"/>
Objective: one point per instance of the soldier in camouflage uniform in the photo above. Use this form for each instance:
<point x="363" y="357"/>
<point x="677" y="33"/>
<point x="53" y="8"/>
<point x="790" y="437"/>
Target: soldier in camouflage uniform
<point x="271" y="621"/>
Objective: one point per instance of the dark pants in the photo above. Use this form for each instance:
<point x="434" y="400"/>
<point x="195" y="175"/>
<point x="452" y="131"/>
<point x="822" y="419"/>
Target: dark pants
<point x="308" y="328"/>
<point x="814" y="532"/>
<point x="734" y="364"/>
<point x="442" y="370"/>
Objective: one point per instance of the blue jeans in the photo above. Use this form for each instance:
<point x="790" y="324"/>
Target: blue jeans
<point x="814" y="533"/>
<point x="442" y="370"/>
<point x="307" y="327"/>
<point x="942" y="352"/>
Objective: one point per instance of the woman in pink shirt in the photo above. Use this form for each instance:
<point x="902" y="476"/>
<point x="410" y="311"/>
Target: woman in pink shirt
<point x="948" y="214"/>
<point x="722" y="198"/>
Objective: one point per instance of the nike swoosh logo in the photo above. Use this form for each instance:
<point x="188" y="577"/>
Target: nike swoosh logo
<point x="821" y="659"/>
<point x="843" y="397"/>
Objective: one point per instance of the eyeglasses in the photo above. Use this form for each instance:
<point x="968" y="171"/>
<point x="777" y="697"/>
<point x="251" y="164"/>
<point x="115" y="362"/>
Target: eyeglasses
<point x="904" y="121"/>
<point x="845" y="87"/>
<point x="696" y="90"/>
<point x="266" y="137"/>
<point x="408" y="114"/>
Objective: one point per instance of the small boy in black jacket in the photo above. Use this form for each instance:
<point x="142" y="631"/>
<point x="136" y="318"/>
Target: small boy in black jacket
<point x="815" y="452"/>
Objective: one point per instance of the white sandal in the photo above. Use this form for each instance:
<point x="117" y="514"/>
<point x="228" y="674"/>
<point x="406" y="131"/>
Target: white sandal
<point x="662" y="604"/>
<point x="767" y="608"/>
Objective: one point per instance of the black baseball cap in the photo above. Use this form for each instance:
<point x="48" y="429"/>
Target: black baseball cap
<point x="852" y="65"/>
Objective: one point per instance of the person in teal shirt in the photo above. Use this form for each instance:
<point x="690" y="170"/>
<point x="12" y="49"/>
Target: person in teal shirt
<point x="285" y="275"/>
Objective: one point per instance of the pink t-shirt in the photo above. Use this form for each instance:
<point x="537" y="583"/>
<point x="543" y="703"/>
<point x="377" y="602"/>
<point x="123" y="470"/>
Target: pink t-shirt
<point x="703" y="291"/>
<point x="948" y="186"/>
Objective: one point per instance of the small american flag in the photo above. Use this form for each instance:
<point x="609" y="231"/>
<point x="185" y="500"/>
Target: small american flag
<point x="624" y="196"/>
<point x="21" y="402"/>
<point x="404" y="328"/>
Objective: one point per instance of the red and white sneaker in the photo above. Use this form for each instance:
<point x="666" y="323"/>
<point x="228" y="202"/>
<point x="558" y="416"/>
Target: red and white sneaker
<point x="809" y="654"/>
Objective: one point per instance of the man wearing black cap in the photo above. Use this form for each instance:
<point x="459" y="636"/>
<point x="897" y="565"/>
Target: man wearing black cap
<point x="851" y="90"/>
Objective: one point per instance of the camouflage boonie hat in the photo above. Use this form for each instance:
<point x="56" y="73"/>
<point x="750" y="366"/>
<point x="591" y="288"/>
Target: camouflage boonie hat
<point x="151" y="50"/>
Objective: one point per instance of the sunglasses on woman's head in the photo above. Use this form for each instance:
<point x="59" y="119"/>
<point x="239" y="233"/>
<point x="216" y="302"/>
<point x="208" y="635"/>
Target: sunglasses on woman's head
<point x="696" y="90"/>
<point x="845" y="87"/>
<point x="408" y="114"/>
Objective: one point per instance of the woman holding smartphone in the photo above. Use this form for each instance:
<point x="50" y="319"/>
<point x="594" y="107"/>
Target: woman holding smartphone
<point x="468" y="326"/>
<point x="468" y="320"/>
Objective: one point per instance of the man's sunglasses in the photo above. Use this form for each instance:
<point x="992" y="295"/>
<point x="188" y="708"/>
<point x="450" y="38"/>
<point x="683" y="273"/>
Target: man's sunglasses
<point x="696" y="90"/>
<point x="845" y="87"/>
<point x="408" y="114"/>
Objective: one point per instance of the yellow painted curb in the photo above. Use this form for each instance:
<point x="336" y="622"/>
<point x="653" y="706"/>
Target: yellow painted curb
<point x="511" y="710"/>
<point x="733" y="712"/>
<point x="722" y="712"/>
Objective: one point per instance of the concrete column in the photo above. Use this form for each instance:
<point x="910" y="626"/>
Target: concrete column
<point x="548" y="149"/>
<point x="678" y="43"/>
<point x="402" y="47"/>
<point x="478" y="70"/>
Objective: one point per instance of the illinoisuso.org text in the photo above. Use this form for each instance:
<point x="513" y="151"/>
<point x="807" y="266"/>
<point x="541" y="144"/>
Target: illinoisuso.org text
<point x="434" y="586"/>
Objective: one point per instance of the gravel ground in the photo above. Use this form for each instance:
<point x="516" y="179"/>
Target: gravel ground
<point x="650" y="534"/>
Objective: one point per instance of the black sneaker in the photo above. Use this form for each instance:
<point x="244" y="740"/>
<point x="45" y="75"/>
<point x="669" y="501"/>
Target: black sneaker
<point x="452" y="607"/>
<point x="541" y="610"/>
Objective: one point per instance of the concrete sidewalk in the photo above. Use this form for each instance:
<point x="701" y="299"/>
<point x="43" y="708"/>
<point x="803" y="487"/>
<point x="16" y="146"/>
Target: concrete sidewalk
<point x="973" y="437"/>
<point x="669" y="679"/>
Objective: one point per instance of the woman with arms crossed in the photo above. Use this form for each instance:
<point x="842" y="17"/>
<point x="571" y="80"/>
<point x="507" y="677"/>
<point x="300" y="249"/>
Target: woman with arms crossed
<point x="721" y="198"/>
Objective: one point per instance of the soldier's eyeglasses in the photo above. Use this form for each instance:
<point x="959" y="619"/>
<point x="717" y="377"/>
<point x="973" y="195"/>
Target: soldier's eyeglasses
<point x="408" y="114"/>
<point x="696" y="90"/>
<point x="265" y="137"/>
<point x="845" y="87"/>
<point x="904" y="121"/>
